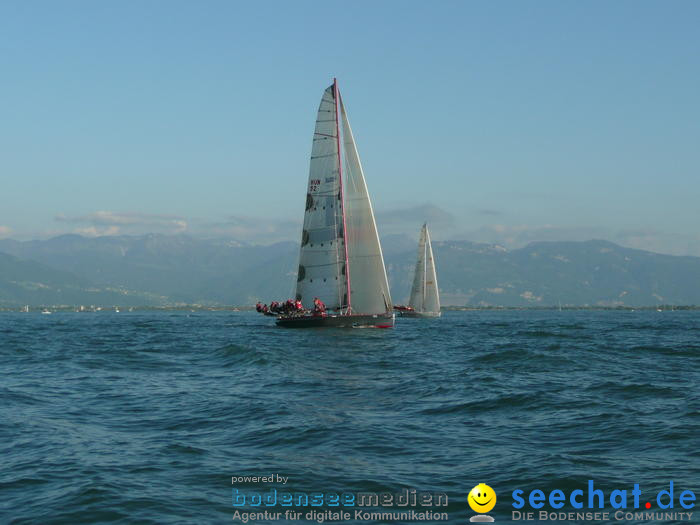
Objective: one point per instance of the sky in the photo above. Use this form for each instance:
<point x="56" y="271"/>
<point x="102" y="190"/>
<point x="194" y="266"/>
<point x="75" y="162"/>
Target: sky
<point x="495" y="121"/>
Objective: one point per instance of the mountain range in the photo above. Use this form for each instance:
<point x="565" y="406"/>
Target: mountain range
<point x="160" y="269"/>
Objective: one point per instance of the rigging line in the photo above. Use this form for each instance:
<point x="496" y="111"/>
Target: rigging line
<point x="322" y="252"/>
<point x="425" y="263"/>
<point x="320" y="265"/>
<point x="313" y="230"/>
<point x="342" y="196"/>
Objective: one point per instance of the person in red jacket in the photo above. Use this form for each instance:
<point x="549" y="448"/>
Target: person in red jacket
<point x="319" y="307"/>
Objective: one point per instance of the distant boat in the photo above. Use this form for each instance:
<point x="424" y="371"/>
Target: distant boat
<point x="425" y="297"/>
<point x="116" y="309"/>
<point x="25" y="308"/>
<point x="46" y="311"/>
<point x="340" y="259"/>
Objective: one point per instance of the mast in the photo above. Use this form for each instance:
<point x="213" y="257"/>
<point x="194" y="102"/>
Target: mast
<point x="336" y="96"/>
<point x="425" y="260"/>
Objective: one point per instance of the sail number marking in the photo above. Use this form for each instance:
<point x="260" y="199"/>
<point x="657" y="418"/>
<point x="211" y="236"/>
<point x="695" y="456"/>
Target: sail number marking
<point x="314" y="184"/>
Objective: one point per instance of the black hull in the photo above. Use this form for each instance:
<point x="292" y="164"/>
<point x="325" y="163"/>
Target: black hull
<point x="337" y="321"/>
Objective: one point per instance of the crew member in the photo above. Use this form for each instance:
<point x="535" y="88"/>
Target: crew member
<point x="319" y="307"/>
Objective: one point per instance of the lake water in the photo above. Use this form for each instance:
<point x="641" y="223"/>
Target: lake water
<point x="145" y="417"/>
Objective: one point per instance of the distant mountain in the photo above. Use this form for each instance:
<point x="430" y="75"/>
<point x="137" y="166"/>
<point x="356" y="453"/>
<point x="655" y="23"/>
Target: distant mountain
<point x="591" y="273"/>
<point x="162" y="269"/>
<point x="177" y="268"/>
<point x="30" y="282"/>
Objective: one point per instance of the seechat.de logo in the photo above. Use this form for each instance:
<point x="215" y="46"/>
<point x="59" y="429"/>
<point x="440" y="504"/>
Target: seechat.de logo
<point x="482" y="499"/>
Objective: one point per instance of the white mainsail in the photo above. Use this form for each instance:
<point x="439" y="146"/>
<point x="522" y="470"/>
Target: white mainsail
<point x="321" y="270"/>
<point x="340" y="260"/>
<point x="424" y="293"/>
<point x="369" y="287"/>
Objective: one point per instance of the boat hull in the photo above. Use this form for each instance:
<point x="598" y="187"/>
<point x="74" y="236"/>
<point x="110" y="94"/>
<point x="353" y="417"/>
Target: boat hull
<point x="337" y="321"/>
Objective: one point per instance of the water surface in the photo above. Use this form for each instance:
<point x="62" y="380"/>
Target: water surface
<point x="144" y="417"/>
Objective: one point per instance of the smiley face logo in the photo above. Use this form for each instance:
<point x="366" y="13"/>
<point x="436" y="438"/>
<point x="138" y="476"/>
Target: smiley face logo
<point x="482" y="498"/>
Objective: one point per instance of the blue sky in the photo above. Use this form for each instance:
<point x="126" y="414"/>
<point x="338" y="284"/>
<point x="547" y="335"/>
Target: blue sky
<point x="496" y="121"/>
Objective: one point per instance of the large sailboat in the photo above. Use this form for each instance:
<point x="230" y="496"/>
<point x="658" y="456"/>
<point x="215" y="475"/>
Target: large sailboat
<point x="425" y="298"/>
<point x="340" y="259"/>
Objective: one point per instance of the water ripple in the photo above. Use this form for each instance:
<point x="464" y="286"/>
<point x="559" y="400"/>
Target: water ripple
<point x="143" y="417"/>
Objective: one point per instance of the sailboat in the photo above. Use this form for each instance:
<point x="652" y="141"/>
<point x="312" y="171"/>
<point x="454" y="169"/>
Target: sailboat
<point x="425" y="298"/>
<point x="340" y="258"/>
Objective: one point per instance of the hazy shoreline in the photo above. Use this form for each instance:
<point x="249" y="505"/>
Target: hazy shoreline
<point x="235" y="309"/>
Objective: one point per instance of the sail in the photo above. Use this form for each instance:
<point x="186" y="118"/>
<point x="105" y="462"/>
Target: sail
<point x="424" y="292"/>
<point x="418" y="289"/>
<point x="431" y="302"/>
<point x="321" y="271"/>
<point x="369" y="288"/>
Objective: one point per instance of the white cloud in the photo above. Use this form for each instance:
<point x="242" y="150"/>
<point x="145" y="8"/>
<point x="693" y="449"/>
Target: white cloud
<point x="260" y="230"/>
<point x="488" y="211"/>
<point x="114" y="223"/>
<point x="519" y="235"/>
<point x="263" y="230"/>
<point x="408" y="220"/>
<point x="658" y="241"/>
<point x="401" y="220"/>
<point x="529" y="296"/>
<point x="92" y="231"/>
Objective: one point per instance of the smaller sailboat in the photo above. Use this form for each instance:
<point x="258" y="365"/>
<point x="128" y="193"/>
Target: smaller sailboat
<point x="425" y="298"/>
